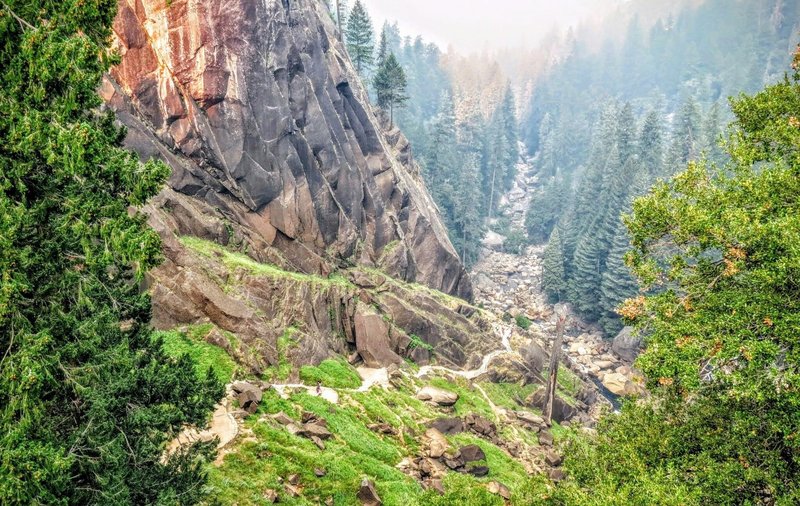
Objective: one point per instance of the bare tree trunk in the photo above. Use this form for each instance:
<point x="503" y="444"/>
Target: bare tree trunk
<point x="491" y="192"/>
<point x="552" y="377"/>
<point x="339" y="19"/>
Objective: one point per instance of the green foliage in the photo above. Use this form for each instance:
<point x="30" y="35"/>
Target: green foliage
<point x="205" y="356"/>
<point x="523" y="322"/>
<point x="360" y="37"/>
<point x="554" y="276"/>
<point x="390" y="85"/>
<point x="717" y="250"/>
<point x="417" y="342"/>
<point x="333" y="373"/>
<point x="87" y="397"/>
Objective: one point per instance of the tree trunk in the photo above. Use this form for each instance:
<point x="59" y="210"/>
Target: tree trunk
<point x="391" y="116"/>
<point x="491" y="191"/>
<point x="339" y="19"/>
<point x="552" y="377"/>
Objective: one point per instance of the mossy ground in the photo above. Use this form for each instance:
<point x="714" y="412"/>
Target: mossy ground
<point x="205" y="355"/>
<point x="266" y="460"/>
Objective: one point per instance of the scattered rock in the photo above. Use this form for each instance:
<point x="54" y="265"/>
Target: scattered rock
<point x="546" y="438"/>
<point x="448" y="426"/>
<point x="434" y="484"/>
<point x="249" y="395"/>
<point x="552" y="458"/>
<point x="497" y="488"/>
<point x="557" y="475"/>
<point x="319" y="472"/>
<point x="530" y="418"/>
<point x="618" y="384"/>
<point x="292" y="490"/>
<point x="382" y="428"/>
<point x="368" y="495"/>
<point x="282" y="418"/>
<point x="270" y="496"/>
<point x="478" y="471"/>
<point x="432" y="467"/>
<point x="315" y="429"/>
<point x="471" y="453"/>
<point x="436" y="442"/>
<point x="482" y="426"/>
<point x="437" y="395"/>
<point x="293" y="479"/>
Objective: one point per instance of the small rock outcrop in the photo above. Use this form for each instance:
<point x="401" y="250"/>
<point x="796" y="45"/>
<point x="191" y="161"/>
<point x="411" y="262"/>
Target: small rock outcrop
<point x="367" y="494"/>
<point x="626" y="344"/>
<point x="437" y="395"/>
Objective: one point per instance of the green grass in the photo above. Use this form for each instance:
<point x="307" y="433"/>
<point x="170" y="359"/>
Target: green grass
<point x="283" y="369"/>
<point x="333" y="373"/>
<point x="234" y="260"/>
<point x="505" y="395"/>
<point x="204" y="354"/>
<point x="470" y="400"/>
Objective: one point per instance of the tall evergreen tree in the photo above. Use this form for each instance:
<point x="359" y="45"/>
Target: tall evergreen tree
<point x="651" y="145"/>
<point x="466" y="215"/>
<point x="88" y="399"/>
<point x="441" y="160"/>
<point x="617" y="283"/>
<point x="686" y="135"/>
<point x="586" y="277"/>
<point x="360" y="38"/>
<point x="390" y="86"/>
<point x="554" y="277"/>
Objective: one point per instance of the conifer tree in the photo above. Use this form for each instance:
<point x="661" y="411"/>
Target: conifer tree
<point x="466" y="215"/>
<point x="617" y="283"/>
<point x="383" y="46"/>
<point x="651" y="145"/>
<point x="554" y="278"/>
<point x="360" y="38"/>
<point x="712" y="129"/>
<point x="686" y="137"/>
<point x="390" y="86"/>
<point x="586" y="277"/>
<point x="88" y="398"/>
<point x="441" y="161"/>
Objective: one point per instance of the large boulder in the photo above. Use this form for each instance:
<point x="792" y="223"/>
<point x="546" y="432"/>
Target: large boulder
<point x="373" y="341"/>
<point x="562" y="410"/>
<point x="448" y="426"/>
<point x="535" y="356"/>
<point x="620" y="384"/>
<point x="471" y="453"/>
<point x="436" y="395"/>
<point x="627" y="344"/>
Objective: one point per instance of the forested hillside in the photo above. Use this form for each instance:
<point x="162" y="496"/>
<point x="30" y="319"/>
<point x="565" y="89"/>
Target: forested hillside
<point x="607" y="121"/>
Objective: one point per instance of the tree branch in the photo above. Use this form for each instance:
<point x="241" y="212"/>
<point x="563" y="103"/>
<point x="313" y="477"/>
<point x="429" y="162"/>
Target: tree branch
<point x="22" y="23"/>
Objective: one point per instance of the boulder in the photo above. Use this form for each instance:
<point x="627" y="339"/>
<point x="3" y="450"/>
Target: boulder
<point x="373" y="342"/>
<point x="249" y="396"/>
<point x="282" y="418"/>
<point x="448" y="426"/>
<point x="552" y="458"/>
<point x="437" y="395"/>
<point x="627" y="344"/>
<point x="436" y="442"/>
<point x="478" y="471"/>
<point x="367" y="494"/>
<point x="471" y="453"/>
<point x="546" y="438"/>
<point x="315" y="429"/>
<point x="530" y="418"/>
<point x="481" y="425"/>
<point x="432" y="467"/>
<point x="619" y="384"/>
<point x="562" y="410"/>
<point x="434" y="484"/>
<point x="270" y="496"/>
<point x="535" y="356"/>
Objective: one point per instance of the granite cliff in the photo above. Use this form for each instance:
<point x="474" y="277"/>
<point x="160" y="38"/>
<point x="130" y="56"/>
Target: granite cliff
<point x="277" y="154"/>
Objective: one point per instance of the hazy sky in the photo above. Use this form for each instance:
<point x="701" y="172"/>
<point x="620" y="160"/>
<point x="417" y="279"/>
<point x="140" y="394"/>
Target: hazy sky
<point x="471" y="25"/>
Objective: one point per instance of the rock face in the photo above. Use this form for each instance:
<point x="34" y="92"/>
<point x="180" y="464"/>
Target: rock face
<point x="276" y="152"/>
<point x="256" y="108"/>
<point x="626" y="344"/>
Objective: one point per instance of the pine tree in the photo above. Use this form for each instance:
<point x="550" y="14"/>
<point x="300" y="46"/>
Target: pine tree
<point x="554" y="278"/>
<point x="686" y="136"/>
<point x="88" y="398"/>
<point x="341" y="19"/>
<point x="390" y="86"/>
<point x="626" y="133"/>
<point x="466" y="217"/>
<point x="441" y="159"/>
<point x="651" y="145"/>
<point x="712" y="129"/>
<point x="360" y="38"/>
<point x="548" y="163"/>
<point x="586" y="277"/>
<point x="383" y="46"/>
<point x="507" y="125"/>
<point x="617" y="283"/>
